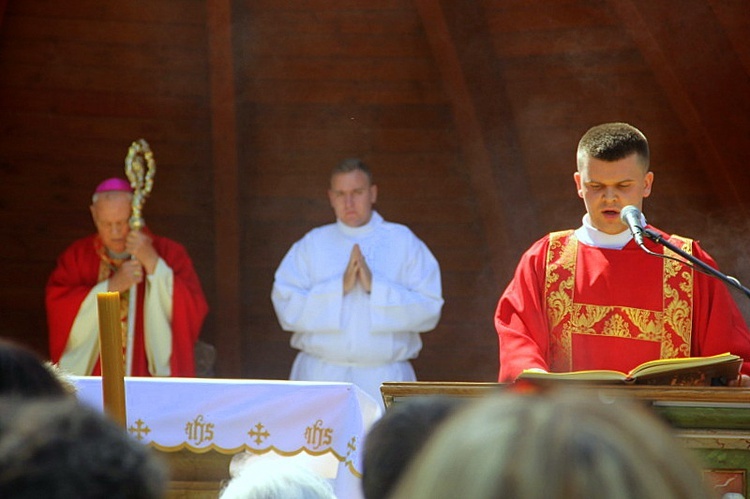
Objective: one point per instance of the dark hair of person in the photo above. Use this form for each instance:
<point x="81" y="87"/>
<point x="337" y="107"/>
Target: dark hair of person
<point x="612" y="142"/>
<point x="58" y="448"/>
<point x="395" y="439"/>
<point x="23" y="373"/>
<point x="350" y="165"/>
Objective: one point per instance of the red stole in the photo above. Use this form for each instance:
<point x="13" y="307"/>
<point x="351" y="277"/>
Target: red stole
<point x="606" y="315"/>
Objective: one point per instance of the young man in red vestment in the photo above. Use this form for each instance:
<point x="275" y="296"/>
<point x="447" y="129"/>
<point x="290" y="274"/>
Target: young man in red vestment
<point x="574" y="303"/>
<point x="170" y="306"/>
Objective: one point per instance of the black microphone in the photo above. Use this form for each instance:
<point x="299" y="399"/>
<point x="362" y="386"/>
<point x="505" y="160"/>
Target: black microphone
<point x="631" y="216"/>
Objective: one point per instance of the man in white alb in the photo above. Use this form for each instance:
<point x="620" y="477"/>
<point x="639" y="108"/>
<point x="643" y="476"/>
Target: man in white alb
<point x="357" y="293"/>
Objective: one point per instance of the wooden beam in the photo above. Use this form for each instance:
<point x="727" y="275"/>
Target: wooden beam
<point x="471" y="78"/>
<point x="226" y="191"/>
<point x="662" y="49"/>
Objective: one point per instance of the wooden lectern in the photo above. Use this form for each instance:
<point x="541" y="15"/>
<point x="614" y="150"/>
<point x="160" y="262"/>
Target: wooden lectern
<point x="713" y="421"/>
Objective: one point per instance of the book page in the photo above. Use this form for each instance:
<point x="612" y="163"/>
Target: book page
<point x="667" y="365"/>
<point x="593" y="375"/>
<point x="684" y="370"/>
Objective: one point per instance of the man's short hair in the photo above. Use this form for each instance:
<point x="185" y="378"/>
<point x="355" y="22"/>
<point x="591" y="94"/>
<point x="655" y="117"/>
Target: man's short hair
<point x="612" y="142"/>
<point x="350" y="165"/>
<point x="396" y="438"/>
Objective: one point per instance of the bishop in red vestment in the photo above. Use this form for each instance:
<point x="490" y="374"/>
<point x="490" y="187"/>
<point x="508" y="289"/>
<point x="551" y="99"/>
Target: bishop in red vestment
<point x="170" y="305"/>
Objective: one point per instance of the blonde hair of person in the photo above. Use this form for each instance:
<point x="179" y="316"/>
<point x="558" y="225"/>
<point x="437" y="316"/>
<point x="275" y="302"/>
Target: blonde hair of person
<point x="555" y="444"/>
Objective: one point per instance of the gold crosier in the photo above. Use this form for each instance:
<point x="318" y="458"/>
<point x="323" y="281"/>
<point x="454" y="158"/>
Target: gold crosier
<point x="140" y="168"/>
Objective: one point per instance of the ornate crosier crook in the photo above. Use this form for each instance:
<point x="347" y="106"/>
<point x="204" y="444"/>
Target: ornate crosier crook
<point x="140" y="168"/>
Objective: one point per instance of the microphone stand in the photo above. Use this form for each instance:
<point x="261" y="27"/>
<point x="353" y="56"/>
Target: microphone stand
<point x="704" y="267"/>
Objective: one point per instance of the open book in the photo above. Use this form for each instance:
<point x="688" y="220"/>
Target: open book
<point x="685" y="371"/>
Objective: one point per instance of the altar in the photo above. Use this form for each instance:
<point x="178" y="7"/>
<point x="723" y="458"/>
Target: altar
<point x="199" y="425"/>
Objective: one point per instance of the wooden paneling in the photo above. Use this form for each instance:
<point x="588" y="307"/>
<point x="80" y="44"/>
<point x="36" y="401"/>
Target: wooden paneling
<point x="319" y="83"/>
<point x="706" y="83"/>
<point x="468" y="112"/>
<point x="79" y="83"/>
<point x="225" y="189"/>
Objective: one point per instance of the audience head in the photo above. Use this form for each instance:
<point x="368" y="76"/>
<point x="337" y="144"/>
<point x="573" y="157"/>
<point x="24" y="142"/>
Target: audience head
<point x="264" y="478"/>
<point x="24" y="374"/>
<point x="57" y="448"/>
<point x="395" y="439"/>
<point x="555" y="444"/>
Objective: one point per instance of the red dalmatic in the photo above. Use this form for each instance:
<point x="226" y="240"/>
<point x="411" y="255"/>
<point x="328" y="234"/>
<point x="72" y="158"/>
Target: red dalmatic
<point x="574" y="307"/>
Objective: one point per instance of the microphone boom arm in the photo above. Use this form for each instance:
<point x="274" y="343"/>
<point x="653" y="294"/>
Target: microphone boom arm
<point x="702" y="266"/>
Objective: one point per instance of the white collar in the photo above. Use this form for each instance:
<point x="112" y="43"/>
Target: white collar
<point x="591" y="236"/>
<point x="375" y="220"/>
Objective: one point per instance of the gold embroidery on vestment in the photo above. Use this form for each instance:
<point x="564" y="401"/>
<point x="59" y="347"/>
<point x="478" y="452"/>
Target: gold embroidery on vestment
<point x="561" y="271"/>
<point x="671" y="326"/>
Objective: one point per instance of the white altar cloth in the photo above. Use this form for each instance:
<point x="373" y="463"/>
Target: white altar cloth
<point x="285" y="418"/>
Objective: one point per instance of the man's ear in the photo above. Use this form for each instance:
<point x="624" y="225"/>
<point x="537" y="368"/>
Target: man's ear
<point x="579" y="187"/>
<point x="649" y="182"/>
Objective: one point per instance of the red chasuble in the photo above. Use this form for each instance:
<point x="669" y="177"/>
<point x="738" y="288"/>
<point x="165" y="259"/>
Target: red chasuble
<point x="574" y="307"/>
<point x="78" y="270"/>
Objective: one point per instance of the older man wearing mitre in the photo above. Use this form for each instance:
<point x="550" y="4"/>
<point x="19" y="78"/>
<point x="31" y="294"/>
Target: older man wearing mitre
<point x="170" y="305"/>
